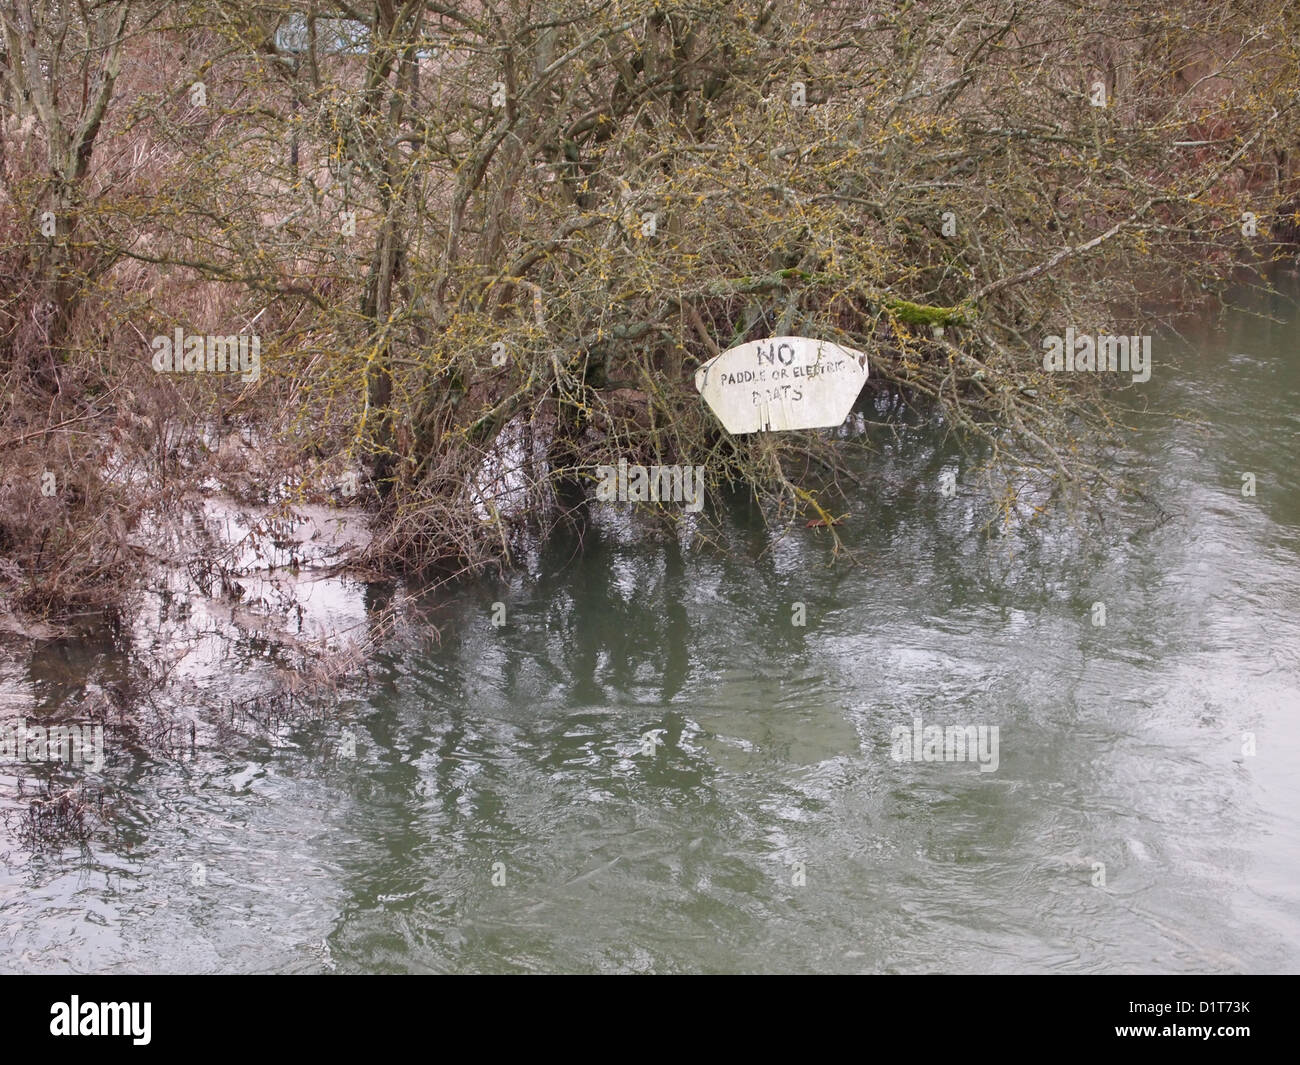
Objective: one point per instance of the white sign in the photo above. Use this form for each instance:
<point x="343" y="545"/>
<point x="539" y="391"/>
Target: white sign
<point x="782" y="383"/>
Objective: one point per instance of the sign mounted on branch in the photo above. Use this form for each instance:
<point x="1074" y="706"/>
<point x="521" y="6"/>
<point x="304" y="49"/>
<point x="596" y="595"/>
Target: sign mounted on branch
<point x="782" y="383"/>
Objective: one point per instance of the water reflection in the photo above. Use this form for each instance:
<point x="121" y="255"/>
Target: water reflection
<point x="651" y="767"/>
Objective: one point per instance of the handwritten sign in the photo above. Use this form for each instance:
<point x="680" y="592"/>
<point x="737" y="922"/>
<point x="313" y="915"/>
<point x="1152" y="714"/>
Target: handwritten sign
<point x="782" y="383"/>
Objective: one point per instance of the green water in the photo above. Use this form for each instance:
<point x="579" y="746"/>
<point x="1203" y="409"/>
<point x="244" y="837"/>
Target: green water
<point x="505" y="810"/>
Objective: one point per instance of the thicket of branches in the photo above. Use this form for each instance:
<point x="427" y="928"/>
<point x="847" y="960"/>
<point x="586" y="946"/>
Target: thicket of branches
<point x="476" y="234"/>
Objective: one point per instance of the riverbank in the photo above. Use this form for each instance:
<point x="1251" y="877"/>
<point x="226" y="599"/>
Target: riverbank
<point x="649" y="767"/>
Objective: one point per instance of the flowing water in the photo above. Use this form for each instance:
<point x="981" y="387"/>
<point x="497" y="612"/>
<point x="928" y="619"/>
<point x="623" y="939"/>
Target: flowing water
<point x="651" y="767"/>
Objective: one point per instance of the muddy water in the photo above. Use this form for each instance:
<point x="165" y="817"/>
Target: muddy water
<point x="650" y="767"/>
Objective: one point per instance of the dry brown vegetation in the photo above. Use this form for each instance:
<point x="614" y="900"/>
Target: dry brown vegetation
<point x="611" y="191"/>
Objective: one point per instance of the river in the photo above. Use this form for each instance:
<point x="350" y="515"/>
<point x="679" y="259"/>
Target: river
<point x="648" y="766"/>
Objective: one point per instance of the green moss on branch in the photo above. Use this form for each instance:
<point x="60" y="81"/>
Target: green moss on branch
<point x="923" y="314"/>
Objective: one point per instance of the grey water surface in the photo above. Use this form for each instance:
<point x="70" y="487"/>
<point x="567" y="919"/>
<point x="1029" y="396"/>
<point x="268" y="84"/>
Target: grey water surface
<point x="650" y="768"/>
